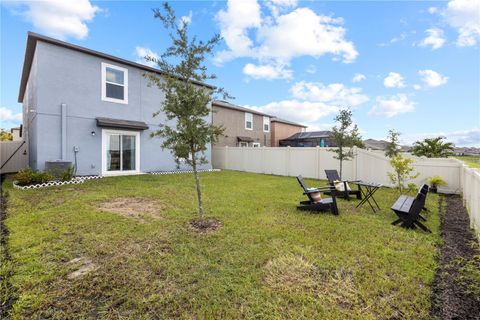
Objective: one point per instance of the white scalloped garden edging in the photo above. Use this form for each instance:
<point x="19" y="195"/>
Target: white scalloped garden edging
<point x="183" y="171"/>
<point x="76" y="180"/>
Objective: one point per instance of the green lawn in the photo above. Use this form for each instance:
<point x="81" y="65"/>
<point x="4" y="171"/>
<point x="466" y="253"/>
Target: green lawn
<point x="267" y="261"/>
<point x="471" y="161"/>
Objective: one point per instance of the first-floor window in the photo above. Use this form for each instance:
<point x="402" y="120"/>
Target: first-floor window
<point x="243" y="144"/>
<point x="256" y="144"/>
<point x="120" y="151"/>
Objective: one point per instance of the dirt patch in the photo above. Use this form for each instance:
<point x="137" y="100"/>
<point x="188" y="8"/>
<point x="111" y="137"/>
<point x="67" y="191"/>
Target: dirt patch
<point x="84" y="266"/>
<point x="7" y="292"/>
<point x="134" y="207"/>
<point x="457" y="281"/>
<point x="205" y="225"/>
<point x="294" y="273"/>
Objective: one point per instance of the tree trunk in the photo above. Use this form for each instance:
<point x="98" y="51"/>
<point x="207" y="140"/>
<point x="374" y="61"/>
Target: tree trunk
<point x="341" y="167"/>
<point x="199" y="191"/>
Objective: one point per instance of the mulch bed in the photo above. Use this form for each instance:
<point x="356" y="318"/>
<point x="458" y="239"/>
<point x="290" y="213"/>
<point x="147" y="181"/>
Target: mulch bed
<point x="452" y="296"/>
<point x="205" y="225"/>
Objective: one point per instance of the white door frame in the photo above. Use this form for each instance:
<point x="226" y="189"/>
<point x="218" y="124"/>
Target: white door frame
<point x="105" y="134"/>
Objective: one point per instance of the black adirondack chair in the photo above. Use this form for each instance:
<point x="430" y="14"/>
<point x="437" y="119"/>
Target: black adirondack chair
<point x="332" y="175"/>
<point x="314" y="203"/>
<point x="408" y="211"/>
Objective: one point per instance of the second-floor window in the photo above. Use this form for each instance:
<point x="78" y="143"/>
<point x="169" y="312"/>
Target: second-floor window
<point x="248" y="121"/>
<point x="114" y="83"/>
<point x="266" y="124"/>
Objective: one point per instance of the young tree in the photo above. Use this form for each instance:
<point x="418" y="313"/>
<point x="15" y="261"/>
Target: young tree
<point x="345" y="137"/>
<point x="186" y="102"/>
<point x="393" y="147"/>
<point x="403" y="171"/>
<point x="433" y="148"/>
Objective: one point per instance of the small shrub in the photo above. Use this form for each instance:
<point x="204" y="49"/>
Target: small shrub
<point x="68" y="174"/>
<point x="27" y="177"/>
<point x="403" y="171"/>
<point x="437" y="181"/>
<point x="412" y="188"/>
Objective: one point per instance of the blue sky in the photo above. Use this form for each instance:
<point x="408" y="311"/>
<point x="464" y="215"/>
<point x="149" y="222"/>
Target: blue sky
<point x="409" y="66"/>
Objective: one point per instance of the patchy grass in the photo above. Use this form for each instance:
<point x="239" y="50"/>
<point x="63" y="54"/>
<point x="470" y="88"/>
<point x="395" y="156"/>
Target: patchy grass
<point x="267" y="260"/>
<point x="471" y="161"/>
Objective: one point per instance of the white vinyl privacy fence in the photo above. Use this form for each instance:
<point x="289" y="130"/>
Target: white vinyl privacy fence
<point x="13" y="156"/>
<point x="366" y="165"/>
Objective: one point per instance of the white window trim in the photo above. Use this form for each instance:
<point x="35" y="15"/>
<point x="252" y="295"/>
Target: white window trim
<point x="266" y="121"/>
<point x="104" y="83"/>
<point x="246" y="120"/>
<point x="243" y="144"/>
<point x="256" y="145"/>
<point x="105" y="133"/>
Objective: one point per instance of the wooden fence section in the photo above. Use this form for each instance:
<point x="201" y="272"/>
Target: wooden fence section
<point x="366" y="165"/>
<point x="13" y="156"/>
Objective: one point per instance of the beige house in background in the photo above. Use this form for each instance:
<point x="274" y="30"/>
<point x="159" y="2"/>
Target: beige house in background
<point x="243" y="127"/>
<point x="282" y="129"/>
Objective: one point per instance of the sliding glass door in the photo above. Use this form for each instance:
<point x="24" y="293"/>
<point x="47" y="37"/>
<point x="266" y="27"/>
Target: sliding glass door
<point x="120" y="151"/>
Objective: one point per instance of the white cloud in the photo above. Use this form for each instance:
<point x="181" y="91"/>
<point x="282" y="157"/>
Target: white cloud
<point x="268" y="72"/>
<point x="7" y="115"/>
<point x="335" y="93"/>
<point x="187" y="19"/>
<point x="464" y="16"/>
<point x="417" y="87"/>
<point x="313" y="101"/>
<point x="358" y="77"/>
<point x="394" y="80"/>
<point x="432" y="78"/>
<point x="435" y="38"/>
<point x="282" y="36"/>
<point x="141" y="53"/>
<point x="392" y="106"/>
<point x="58" y="18"/>
<point x="306" y="112"/>
<point x="432" y="10"/>
<point x="464" y="138"/>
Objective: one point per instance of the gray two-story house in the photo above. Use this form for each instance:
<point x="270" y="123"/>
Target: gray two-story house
<point x="92" y="109"/>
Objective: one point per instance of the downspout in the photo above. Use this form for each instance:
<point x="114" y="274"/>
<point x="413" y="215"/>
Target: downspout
<point x="64" y="131"/>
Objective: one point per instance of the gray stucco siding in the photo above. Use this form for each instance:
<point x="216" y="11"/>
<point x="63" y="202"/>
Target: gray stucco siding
<point x="65" y="76"/>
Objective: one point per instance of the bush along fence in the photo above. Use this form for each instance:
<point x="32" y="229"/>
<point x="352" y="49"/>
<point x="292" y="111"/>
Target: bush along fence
<point x="366" y="165"/>
<point x="76" y="180"/>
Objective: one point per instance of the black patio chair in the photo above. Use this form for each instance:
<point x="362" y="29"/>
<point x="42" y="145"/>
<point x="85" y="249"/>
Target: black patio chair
<point x="315" y="203"/>
<point x="408" y="211"/>
<point x="332" y="176"/>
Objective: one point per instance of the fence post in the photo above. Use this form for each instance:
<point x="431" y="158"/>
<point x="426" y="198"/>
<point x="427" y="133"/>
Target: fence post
<point x="287" y="161"/>
<point x="354" y="164"/>
<point x="226" y="158"/>
<point x="317" y="162"/>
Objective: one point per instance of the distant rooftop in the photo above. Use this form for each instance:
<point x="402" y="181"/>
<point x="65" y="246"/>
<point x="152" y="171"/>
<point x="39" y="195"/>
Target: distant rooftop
<point x="309" y="135"/>
<point x="228" y="105"/>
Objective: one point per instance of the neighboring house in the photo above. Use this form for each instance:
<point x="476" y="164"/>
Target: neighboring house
<point x="309" y="139"/>
<point x="380" y="145"/>
<point x="16" y="133"/>
<point x="92" y="109"/>
<point x="244" y="127"/>
<point x="282" y="129"/>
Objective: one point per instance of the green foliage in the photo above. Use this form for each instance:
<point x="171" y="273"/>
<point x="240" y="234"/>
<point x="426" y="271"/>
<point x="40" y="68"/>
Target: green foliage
<point x="403" y="171"/>
<point x="393" y="147"/>
<point x="68" y="174"/>
<point x="186" y="103"/>
<point x="27" y="177"/>
<point x="433" y="148"/>
<point x="345" y="137"/>
<point x="5" y="135"/>
<point x="412" y="188"/>
<point x="436" y="181"/>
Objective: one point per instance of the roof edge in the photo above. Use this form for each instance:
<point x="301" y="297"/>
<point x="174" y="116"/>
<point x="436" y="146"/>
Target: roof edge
<point x="32" y="39"/>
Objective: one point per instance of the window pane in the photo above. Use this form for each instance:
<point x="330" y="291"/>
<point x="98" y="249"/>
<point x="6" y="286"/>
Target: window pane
<point x="114" y="91"/>
<point x="114" y="75"/>
<point x="128" y="152"/>
<point x="113" y="152"/>
<point x="249" y="124"/>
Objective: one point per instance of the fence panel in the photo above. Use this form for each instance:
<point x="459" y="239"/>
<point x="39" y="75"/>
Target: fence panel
<point x="18" y="161"/>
